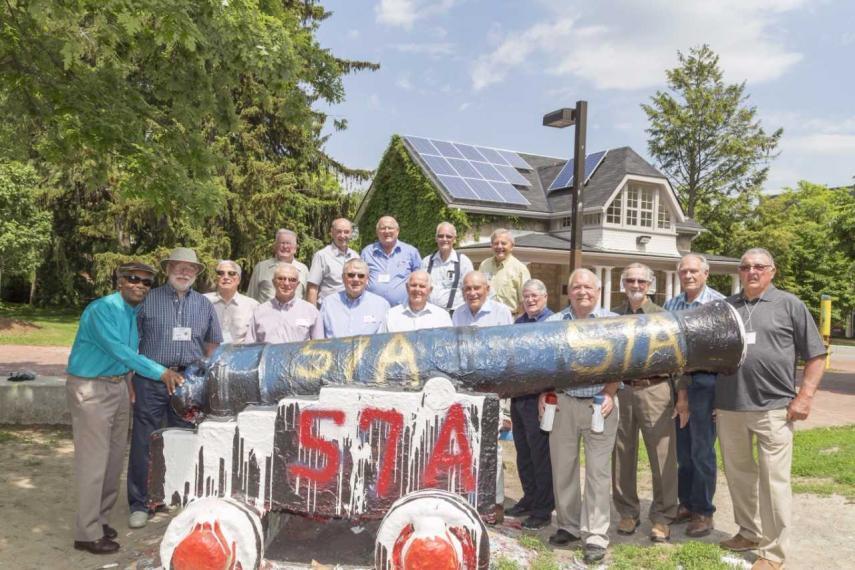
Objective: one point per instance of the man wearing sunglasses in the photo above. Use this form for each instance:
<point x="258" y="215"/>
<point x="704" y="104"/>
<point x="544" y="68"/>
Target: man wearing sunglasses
<point x="233" y="309"/>
<point x="104" y="351"/>
<point x="758" y="404"/>
<point x="285" y="318"/>
<point x="646" y="405"/>
<point x="353" y="311"/>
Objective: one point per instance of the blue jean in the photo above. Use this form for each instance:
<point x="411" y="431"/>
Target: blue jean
<point x="696" y="467"/>
<point x="150" y="407"/>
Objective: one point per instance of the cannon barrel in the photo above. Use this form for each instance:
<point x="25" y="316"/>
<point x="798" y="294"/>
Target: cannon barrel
<point x="507" y="360"/>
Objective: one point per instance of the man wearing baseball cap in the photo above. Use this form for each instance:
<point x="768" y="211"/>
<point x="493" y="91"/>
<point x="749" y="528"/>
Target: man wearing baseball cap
<point x="178" y="327"/>
<point x="104" y="351"/>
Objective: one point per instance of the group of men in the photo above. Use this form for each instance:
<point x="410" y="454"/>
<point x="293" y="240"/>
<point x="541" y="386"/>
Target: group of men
<point x="153" y="335"/>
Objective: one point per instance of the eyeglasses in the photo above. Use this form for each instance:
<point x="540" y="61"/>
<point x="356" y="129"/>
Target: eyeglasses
<point x="286" y="279"/>
<point x="135" y="279"/>
<point x="445" y="236"/>
<point x="636" y="281"/>
<point x="758" y="267"/>
<point x="355" y="275"/>
<point x="221" y="273"/>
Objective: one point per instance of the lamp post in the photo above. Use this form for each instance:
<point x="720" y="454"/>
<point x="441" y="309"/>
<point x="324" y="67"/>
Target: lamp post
<point x="565" y="118"/>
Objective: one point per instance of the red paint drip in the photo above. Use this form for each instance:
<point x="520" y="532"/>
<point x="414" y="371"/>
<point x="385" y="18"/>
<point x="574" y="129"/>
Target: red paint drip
<point x="467" y="545"/>
<point x="442" y="459"/>
<point x="390" y="453"/>
<point x="431" y="553"/>
<point x="398" y="549"/>
<point x="324" y="447"/>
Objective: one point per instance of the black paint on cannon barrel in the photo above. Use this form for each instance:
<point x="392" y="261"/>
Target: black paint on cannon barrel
<point x="509" y="360"/>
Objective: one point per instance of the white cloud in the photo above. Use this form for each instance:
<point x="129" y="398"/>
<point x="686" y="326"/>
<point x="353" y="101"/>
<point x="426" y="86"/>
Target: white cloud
<point x="464" y="106"/>
<point x="353" y="34"/>
<point x="404" y="13"/>
<point x="823" y="143"/>
<point x="624" y="45"/>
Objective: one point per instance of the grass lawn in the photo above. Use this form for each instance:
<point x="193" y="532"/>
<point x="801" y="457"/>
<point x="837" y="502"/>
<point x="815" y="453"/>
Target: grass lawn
<point x="22" y="324"/>
<point x="823" y="461"/>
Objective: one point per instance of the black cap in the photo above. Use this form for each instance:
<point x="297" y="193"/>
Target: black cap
<point x="126" y="268"/>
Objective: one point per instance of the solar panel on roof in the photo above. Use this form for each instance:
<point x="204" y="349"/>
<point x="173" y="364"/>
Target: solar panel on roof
<point x="438" y="165"/>
<point x="422" y="145"/>
<point x="446" y="149"/>
<point x="565" y="177"/>
<point x="473" y="173"/>
<point x="485" y="190"/>
<point x="509" y="193"/>
<point x="491" y="155"/>
<point x="512" y="175"/>
<point x="458" y="188"/>
<point x="515" y="160"/>
<point x="464" y="168"/>
<point x="488" y="171"/>
<point x="470" y="152"/>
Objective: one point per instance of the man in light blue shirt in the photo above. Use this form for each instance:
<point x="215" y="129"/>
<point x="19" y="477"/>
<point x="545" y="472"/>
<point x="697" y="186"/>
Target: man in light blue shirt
<point x="480" y="310"/>
<point x="390" y="261"/>
<point x="696" y="459"/>
<point x="353" y="311"/>
<point x="577" y="519"/>
<point x="104" y="351"/>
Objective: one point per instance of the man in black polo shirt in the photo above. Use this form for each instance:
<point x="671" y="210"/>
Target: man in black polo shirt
<point x="760" y="402"/>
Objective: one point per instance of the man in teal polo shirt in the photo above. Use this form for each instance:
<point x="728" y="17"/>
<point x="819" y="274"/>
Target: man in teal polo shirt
<point x="104" y="351"/>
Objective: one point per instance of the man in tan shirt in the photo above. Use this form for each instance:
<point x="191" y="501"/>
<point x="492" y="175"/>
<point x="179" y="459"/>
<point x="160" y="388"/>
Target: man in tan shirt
<point x="505" y="272"/>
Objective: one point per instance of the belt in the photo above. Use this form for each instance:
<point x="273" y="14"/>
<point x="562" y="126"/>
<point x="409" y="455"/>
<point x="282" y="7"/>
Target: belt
<point x="646" y="382"/>
<point x="178" y="368"/>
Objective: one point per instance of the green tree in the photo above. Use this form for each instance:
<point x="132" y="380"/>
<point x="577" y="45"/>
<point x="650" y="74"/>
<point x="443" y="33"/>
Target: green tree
<point x="191" y="122"/>
<point x="798" y="227"/>
<point x="708" y="141"/>
<point x="25" y="228"/>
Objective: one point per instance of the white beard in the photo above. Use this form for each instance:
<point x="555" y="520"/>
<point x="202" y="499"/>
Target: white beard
<point x="635" y="296"/>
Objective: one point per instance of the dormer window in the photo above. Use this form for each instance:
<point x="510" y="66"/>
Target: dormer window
<point x="639" y="206"/>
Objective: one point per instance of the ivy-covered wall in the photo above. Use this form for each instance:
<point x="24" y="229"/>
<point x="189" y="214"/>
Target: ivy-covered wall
<point x="401" y="190"/>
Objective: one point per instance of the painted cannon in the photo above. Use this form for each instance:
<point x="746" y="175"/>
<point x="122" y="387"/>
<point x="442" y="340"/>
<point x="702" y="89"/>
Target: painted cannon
<point x="400" y="427"/>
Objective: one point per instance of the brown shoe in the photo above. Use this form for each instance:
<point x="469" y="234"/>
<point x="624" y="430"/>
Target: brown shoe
<point x="660" y="532"/>
<point x="683" y="515"/>
<point x="699" y="526"/>
<point x="738" y="543"/>
<point x="766" y="564"/>
<point x="627" y="525"/>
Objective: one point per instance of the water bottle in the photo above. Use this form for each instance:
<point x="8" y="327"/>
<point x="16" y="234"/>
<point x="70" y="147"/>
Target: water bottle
<point x="598" y="422"/>
<point x="549" y="412"/>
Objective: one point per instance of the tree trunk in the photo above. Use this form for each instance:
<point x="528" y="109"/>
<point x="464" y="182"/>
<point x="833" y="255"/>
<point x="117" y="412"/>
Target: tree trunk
<point x="32" y="287"/>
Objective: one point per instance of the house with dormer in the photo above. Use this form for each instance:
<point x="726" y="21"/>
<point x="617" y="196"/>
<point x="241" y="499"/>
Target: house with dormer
<point x="630" y="212"/>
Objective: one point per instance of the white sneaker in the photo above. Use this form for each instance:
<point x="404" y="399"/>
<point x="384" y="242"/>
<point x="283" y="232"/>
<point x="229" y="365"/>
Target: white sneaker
<point x="138" y="519"/>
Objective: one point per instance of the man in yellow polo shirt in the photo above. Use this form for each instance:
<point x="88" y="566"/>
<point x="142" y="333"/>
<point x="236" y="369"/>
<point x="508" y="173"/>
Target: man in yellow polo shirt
<point x="505" y="272"/>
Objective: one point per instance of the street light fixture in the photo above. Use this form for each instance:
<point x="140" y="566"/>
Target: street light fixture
<point x="565" y="118"/>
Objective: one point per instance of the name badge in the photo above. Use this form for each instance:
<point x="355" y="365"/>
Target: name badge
<point x="369" y="319"/>
<point x="182" y="333"/>
<point x="227" y="337"/>
<point x="488" y="275"/>
<point x="751" y="337"/>
<point x="303" y="323"/>
<point x="383" y="278"/>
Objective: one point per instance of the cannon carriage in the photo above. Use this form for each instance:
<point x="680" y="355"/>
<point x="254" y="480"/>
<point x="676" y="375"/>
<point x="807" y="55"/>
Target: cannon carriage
<point x="400" y="427"/>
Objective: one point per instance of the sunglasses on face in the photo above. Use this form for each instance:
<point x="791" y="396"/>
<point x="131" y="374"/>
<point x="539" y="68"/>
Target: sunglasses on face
<point x="355" y="275"/>
<point x="287" y="279"/>
<point x="136" y="279"/>
<point x="222" y="273"/>
<point x="759" y="267"/>
<point x="636" y="281"/>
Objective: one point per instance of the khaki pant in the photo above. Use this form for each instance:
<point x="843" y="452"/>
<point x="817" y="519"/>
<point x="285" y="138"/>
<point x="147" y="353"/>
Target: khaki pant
<point x="100" y="412"/>
<point x="572" y="425"/>
<point x="650" y="410"/>
<point x="761" y="493"/>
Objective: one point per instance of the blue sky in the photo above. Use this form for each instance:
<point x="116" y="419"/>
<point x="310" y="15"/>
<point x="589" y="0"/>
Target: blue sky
<point x="486" y="71"/>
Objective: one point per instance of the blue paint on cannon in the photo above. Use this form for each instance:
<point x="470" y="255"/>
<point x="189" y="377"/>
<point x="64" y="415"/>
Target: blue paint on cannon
<point x="509" y="361"/>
